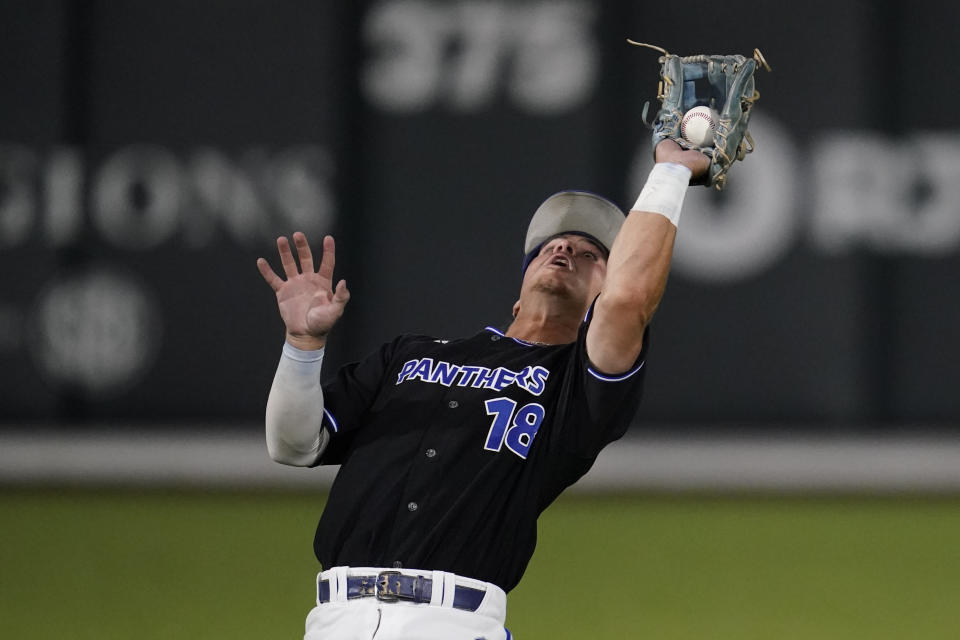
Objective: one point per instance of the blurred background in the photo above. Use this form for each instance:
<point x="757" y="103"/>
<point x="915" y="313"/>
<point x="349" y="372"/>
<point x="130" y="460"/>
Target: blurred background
<point x="806" y="346"/>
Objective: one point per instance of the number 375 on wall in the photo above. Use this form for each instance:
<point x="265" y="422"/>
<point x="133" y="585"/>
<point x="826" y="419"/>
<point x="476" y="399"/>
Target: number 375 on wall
<point x="541" y="57"/>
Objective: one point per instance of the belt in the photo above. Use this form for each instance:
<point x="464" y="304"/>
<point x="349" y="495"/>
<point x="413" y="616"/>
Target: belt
<point x="390" y="586"/>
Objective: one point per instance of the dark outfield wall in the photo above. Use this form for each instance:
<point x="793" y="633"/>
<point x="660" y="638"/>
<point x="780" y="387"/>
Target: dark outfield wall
<point x="149" y="152"/>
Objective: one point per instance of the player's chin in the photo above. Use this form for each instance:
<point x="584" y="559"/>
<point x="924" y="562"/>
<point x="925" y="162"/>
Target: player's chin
<point x="550" y="286"/>
<point x="559" y="288"/>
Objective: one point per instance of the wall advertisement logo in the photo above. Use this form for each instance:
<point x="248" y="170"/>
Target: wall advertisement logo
<point x="846" y="191"/>
<point x="97" y="330"/>
<point x="139" y="197"/>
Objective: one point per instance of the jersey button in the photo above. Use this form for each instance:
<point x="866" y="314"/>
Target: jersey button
<point x="397" y="564"/>
<point x="412" y="506"/>
<point x="453" y="404"/>
<point x="494" y="337"/>
<point x="431" y="453"/>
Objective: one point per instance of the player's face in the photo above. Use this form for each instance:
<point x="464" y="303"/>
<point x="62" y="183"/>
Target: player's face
<point x="568" y="265"/>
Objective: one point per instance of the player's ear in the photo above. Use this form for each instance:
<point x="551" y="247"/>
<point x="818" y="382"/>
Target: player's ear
<point x="516" y="308"/>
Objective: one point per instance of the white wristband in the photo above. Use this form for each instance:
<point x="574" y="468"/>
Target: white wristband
<point x="664" y="191"/>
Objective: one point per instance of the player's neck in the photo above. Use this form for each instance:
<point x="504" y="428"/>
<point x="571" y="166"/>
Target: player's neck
<point x="545" y="326"/>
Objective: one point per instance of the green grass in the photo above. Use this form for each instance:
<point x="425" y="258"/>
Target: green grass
<point x="741" y="568"/>
<point x="145" y="565"/>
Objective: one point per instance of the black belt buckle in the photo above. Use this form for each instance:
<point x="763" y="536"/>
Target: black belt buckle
<point x="384" y="591"/>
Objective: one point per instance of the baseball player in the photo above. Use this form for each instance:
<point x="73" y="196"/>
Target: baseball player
<point x="450" y="449"/>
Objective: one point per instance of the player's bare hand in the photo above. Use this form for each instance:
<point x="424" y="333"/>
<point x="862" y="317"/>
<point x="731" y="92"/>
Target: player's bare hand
<point x="308" y="302"/>
<point x="670" y="151"/>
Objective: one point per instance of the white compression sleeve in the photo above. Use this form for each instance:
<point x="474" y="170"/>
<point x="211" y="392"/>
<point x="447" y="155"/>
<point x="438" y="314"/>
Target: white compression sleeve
<point x="295" y="434"/>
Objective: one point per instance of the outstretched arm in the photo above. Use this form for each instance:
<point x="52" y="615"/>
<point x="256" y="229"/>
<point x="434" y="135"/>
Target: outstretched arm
<point x="639" y="262"/>
<point x="309" y="308"/>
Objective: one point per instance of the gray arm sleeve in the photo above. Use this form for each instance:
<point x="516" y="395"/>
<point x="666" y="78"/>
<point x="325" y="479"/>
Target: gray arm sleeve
<point x="295" y="434"/>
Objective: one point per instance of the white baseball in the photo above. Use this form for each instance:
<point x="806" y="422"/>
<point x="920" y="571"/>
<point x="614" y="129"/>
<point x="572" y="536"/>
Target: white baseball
<point x="698" y="125"/>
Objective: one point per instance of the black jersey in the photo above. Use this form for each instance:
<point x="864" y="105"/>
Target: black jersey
<point x="450" y="449"/>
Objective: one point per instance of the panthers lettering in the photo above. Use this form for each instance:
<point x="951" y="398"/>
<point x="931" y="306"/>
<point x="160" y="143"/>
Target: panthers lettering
<point x="530" y="378"/>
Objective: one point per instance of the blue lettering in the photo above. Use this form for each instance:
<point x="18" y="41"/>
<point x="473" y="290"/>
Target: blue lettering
<point x="444" y="373"/>
<point x="530" y="379"/>
<point x="485" y="378"/>
<point x="407" y="369"/>
<point x="422" y="370"/>
<point x="521" y="377"/>
<point x="469" y="373"/>
<point x="537" y="381"/>
<point x="504" y="378"/>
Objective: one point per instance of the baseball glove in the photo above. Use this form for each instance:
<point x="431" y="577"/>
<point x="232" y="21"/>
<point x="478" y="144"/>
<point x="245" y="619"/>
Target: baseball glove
<point x="723" y="83"/>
